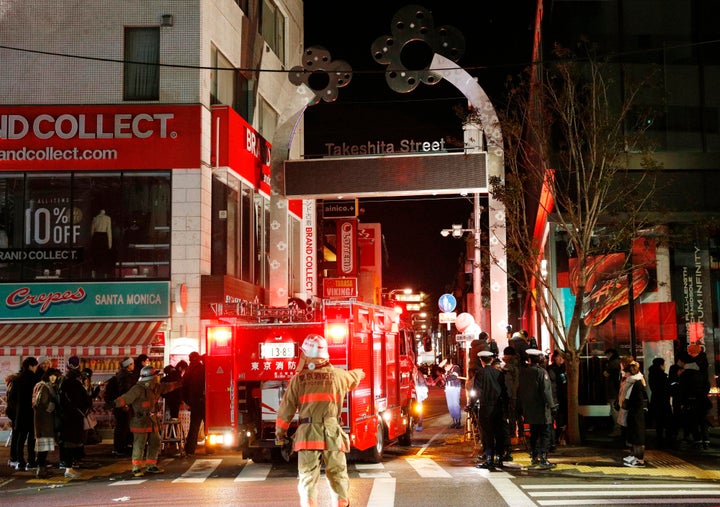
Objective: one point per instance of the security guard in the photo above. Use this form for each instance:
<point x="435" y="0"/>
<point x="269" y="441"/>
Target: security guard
<point x="145" y="423"/>
<point x="317" y="392"/>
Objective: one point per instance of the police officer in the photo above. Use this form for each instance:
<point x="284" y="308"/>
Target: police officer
<point x="145" y="423"/>
<point x="317" y="392"/>
<point x="537" y="407"/>
<point x="491" y="395"/>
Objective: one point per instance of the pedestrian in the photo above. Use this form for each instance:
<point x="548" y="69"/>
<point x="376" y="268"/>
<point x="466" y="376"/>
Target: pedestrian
<point x="453" y="386"/>
<point x="141" y="362"/>
<point x="44" y="363"/>
<point x="145" y="424"/>
<point x="612" y="375"/>
<point x="173" y="399"/>
<point x="74" y="404"/>
<point x="11" y="413"/>
<point x="677" y="422"/>
<point x="511" y="367"/>
<point x="558" y="378"/>
<point x="317" y="392"/>
<point x="46" y="405"/>
<point x="520" y="344"/>
<point x="421" y="393"/>
<point x="660" y="409"/>
<point x="633" y="402"/>
<point x="695" y="402"/>
<point x="491" y="396"/>
<point x="93" y="391"/>
<point x="537" y="407"/>
<point x="193" y="394"/>
<point x="116" y="386"/>
<point x="24" y="420"/>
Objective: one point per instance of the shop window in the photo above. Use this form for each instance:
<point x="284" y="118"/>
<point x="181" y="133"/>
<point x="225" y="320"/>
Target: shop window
<point x="272" y="28"/>
<point x="233" y="229"/>
<point x="267" y="121"/>
<point x="141" y="72"/>
<point x="229" y="86"/>
<point x="85" y="226"/>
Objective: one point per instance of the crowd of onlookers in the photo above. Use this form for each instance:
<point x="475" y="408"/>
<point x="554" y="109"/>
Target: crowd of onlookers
<point x="49" y="409"/>
<point x="522" y="394"/>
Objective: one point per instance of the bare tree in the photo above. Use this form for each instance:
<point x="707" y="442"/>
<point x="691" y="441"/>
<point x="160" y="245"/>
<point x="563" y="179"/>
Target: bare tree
<point x="575" y="152"/>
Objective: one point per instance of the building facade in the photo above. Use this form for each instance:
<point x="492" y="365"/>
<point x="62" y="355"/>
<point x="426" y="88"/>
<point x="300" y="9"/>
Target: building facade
<point x="135" y="141"/>
<point x="677" y="262"/>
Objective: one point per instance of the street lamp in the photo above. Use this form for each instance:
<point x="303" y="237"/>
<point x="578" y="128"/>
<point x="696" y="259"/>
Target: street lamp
<point x="457" y="232"/>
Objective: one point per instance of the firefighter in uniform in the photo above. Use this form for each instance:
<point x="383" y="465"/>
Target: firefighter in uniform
<point x="145" y="423"/>
<point x="317" y="392"/>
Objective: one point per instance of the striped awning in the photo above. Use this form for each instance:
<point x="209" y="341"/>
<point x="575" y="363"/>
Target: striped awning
<point x="79" y="338"/>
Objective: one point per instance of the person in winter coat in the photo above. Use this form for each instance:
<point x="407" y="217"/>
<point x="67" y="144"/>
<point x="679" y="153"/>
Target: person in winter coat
<point x="491" y="398"/>
<point x="46" y="404"/>
<point x="512" y="381"/>
<point x="633" y="402"/>
<point x="74" y="404"/>
<point x="24" y="420"/>
<point x="558" y="379"/>
<point x="660" y="409"/>
<point x="537" y="407"/>
<point x="173" y="399"/>
<point x="145" y="424"/>
<point x="193" y="394"/>
<point x="118" y="385"/>
<point x="695" y="403"/>
<point x="317" y="392"/>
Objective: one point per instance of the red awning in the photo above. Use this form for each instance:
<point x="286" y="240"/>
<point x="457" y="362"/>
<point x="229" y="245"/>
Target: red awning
<point x="80" y="338"/>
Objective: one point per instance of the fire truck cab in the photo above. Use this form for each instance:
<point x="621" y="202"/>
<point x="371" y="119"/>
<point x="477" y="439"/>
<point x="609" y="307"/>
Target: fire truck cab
<point x="252" y="354"/>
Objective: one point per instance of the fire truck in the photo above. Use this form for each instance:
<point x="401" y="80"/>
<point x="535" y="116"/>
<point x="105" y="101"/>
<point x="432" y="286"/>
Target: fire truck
<point x="253" y="351"/>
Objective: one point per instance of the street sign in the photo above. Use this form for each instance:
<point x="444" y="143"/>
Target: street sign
<point x="447" y="302"/>
<point x="447" y="317"/>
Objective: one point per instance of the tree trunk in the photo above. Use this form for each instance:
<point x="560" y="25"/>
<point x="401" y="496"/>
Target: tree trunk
<point x="572" y="361"/>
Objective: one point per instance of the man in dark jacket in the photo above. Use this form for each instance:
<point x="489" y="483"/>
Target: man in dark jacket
<point x="491" y="398"/>
<point x="193" y="389"/>
<point x="24" y="420"/>
<point x="124" y="379"/>
<point x="537" y="407"/>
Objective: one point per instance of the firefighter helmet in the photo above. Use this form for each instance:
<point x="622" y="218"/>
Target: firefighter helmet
<point x="148" y="373"/>
<point x="315" y="347"/>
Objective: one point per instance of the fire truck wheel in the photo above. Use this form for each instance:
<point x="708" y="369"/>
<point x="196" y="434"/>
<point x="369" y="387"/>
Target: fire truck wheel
<point x="376" y="451"/>
<point x="406" y="438"/>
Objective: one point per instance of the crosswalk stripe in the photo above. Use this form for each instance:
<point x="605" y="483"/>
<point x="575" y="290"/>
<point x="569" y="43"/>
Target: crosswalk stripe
<point x="253" y="472"/>
<point x="426" y="467"/>
<point x="382" y="493"/>
<point x="627" y="501"/>
<point x="610" y="492"/>
<point x="199" y="471"/>
<point x="128" y="483"/>
<point x="653" y="486"/>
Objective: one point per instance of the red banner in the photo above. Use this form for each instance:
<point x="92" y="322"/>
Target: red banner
<point x="43" y="138"/>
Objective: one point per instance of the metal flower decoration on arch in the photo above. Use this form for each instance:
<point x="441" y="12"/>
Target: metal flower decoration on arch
<point x="321" y="74"/>
<point x="409" y="50"/>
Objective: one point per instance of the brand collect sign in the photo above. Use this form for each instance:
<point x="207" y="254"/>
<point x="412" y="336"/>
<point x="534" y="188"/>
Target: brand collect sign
<point x="99" y="137"/>
<point x="85" y="300"/>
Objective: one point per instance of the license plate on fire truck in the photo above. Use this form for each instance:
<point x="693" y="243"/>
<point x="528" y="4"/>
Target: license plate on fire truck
<point x="284" y="350"/>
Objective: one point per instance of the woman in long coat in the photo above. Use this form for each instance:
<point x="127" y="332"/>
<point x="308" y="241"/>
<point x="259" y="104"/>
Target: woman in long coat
<point x="46" y="404"/>
<point x="633" y="406"/>
<point x="75" y="402"/>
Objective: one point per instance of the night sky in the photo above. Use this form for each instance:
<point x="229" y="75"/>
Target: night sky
<point x="498" y="39"/>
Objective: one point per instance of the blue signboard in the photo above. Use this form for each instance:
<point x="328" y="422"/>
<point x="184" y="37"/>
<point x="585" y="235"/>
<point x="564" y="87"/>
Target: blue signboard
<point x="85" y="300"/>
<point x="447" y="302"/>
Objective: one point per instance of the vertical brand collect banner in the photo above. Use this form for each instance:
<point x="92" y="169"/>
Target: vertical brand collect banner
<point x="309" y="250"/>
<point x="347" y="247"/>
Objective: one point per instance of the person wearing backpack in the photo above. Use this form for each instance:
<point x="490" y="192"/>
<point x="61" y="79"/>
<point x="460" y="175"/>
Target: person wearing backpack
<point x="24" y="423"/>
<point x="115" y="387"/>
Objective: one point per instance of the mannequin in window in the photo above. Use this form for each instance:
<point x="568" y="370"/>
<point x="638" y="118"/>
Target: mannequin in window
<point x="101" y="245"/>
